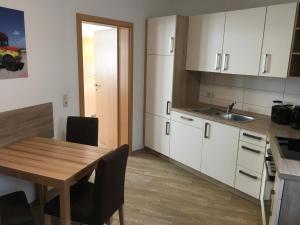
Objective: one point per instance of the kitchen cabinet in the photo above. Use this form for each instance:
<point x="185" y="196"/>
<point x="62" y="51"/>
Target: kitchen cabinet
<point x="250" y="162"/>
<point x="161" y="35"/>
<point x="248" y="181"/>
<point x="277" y="42"/>
<point x="219" y="153"/>
<point x="166" y="40"/>
<point x="186" y="140"/>
<point x="157" y="134"/>
<point x="159" y="84"/>
<point x="244" y="30"/>
<point x="205" y="42"/>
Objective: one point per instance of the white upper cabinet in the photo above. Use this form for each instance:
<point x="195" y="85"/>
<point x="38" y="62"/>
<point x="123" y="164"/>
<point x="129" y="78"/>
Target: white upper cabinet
<point x="277" y="41"/>
<point x="159" y="84"/>
<point x="205" y="42"/>
<point x="161" y="35"/>
<point x="243" y="37"/>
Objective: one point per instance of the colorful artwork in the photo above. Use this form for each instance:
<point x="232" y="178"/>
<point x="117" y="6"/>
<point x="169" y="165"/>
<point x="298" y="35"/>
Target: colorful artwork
<point x="13" y="57"/>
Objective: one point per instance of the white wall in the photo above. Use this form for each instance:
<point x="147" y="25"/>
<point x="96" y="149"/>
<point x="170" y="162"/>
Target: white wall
<point x="254" y="94"/>
<point x="52" y="59"/>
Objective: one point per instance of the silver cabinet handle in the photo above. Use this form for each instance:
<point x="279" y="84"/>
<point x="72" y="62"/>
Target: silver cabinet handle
<point x="168" y="111"/>
<point x="248" y="175"/>
<point x="226" y="62"/>
<point x="168" y="128"/>
<point x="218" y="61"/>
<point x="250" y="149"/>
<point x="206" y="131"/>
<point x="171" y="46"/>
<point x="252" y="136"/>
<point x="186" y="118"/>
<point x="265" y="64"/>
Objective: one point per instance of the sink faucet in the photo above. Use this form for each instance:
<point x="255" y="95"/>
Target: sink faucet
<point x="230" y="107"/>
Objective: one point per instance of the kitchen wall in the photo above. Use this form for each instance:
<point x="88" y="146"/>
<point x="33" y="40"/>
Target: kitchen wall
<point x="52" y="60"/>
<point x="254" y="94"/>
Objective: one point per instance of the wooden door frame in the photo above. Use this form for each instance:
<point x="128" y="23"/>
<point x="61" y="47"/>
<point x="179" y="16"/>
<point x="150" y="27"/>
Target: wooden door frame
<point x="80" y="18"/>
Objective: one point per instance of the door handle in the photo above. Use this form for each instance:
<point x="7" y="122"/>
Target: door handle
<point x="168" y="111"/>
<point x="171" y="46"/>
<point x="206" y="135"/>
<point x="265" y="64"/>
<point x="252" y="136"/>
<point x="186" y="118"/>
<point x="248" y="175"/>
<point x="168" y="128"/>
<point x="226" y="62"/>
<point x="218" y="61"/>
<point x="251" y="150"/>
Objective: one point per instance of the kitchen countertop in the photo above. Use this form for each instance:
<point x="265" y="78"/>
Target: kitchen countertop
<point x="286" y="168"/>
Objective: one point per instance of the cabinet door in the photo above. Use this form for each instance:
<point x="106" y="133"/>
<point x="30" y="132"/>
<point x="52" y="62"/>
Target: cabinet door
<point x="186" y="144"/>
<point x="219" y="154"/>
<point x="205" y="42"/>
<point x="277" y="42"/>
<point x="243" y="37"/>
<point x="161" y="35"/>
<point x="157" y="130"/>
<point x="159" y="84"/>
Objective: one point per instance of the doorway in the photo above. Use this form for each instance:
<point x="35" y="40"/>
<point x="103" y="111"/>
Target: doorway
<point x="105" y="76"/>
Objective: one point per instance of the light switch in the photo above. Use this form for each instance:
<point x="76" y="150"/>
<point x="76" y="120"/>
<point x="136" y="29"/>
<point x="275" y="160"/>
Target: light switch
<point x="65" y="100"/>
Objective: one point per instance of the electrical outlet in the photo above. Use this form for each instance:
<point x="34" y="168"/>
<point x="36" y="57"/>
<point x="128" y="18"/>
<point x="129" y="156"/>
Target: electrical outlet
<point x="65" y="100"/>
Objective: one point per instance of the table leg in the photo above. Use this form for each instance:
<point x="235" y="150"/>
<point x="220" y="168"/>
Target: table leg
<point x="42" y="198"/>
<point x="65" y="208"/>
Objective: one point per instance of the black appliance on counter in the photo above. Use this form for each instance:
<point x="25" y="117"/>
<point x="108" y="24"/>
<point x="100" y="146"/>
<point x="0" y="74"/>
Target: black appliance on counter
<point x="295" y="119"/>
<point x="289" y="148"/>
<point x="282" y="113"/>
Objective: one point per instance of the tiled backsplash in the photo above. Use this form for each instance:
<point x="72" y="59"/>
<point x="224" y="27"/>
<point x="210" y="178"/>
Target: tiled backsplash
<point x="255" y="94"/>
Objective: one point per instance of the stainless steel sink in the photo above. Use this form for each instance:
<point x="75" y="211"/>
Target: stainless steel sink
<point x="237" y="117"/>
<point x="224" y="115"/>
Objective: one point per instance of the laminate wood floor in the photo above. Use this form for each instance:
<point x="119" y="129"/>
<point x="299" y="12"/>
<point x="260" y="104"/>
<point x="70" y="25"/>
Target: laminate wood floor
<point x="160" y="193"/>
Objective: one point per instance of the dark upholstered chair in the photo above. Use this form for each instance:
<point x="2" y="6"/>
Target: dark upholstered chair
<point x="94" y="204"/>
<point x="82" y="130"/>
<point x="15" y="210"/>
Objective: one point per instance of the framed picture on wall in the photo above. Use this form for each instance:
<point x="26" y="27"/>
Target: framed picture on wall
<point x="13" y="56"/>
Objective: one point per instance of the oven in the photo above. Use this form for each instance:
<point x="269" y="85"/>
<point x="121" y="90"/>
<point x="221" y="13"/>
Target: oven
<point x="267" y="187"/>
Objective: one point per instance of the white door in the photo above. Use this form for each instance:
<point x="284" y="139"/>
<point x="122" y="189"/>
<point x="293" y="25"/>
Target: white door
<point x="159" y="84"/>
<point x="157" y="134"/>
<point x="161" y="35"/>
<point x="243" y="37"/>
<point x="106" y="55"/>
<point x="219" y="153"/>
<point x="277" y="42"/>
<point x="205" y="42"/>
<point x="186" y="144"/>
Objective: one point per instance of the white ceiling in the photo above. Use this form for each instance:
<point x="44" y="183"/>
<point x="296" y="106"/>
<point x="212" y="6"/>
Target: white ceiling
<point x="89" y="29"/>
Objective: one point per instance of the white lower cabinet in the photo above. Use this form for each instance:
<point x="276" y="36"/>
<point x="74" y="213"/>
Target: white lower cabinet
<point x="186" y="144"/>
<point x="251" y="156"/>
<point x="219" y="153"/>
<point x="248" y="181"/>
<point x="222" y="152"/>
<point x="157" y="134"/>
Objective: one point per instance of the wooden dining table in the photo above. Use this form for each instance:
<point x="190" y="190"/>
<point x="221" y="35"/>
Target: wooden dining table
<point x="49" y="162"/>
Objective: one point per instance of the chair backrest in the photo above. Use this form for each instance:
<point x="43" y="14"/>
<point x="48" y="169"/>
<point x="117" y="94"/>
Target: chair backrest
<point x="109" y="184"/>
<point x="82" y="130"/>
